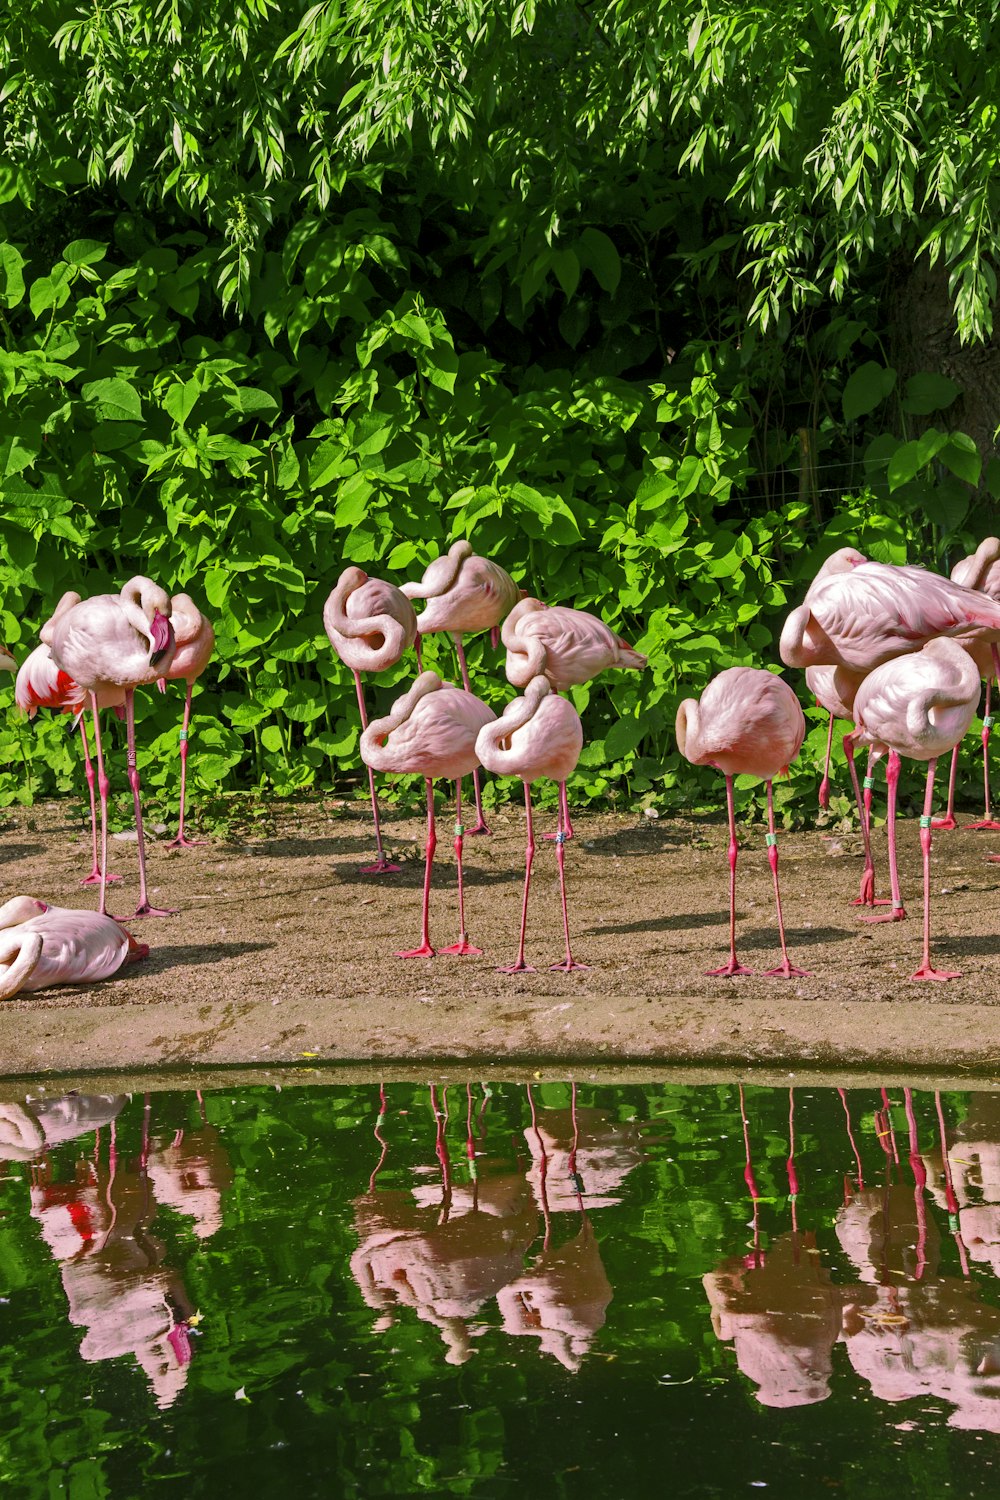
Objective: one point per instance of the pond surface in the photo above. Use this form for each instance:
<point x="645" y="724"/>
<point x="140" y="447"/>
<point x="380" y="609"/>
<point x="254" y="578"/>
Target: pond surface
<point x="503" y="1290"/>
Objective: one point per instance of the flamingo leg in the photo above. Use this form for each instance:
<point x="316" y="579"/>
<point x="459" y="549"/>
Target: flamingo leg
<point x="481" y="825"/>
<point x="987" y="820"/>
<point x="786" y="969"/>
<point x="569" y="962"/>
<point x="866" y="896"/>
<point x="143" y="909"/>
<point x="94" y="878"/>
<point x="519" y="966"/>
<point x="182" y="841"/>
<point x="927" y="969"/>
<point x="566" y="823"/>
<point x="382" y="866"/>
<point x="102" y="787"/>
<point x="733" y="966"/>
<point x="463" y="945"/>
<point x="425" y="950"/>
<point x="897" y="911"/>
<point x="824" y="786"/>
<point x="949" y="820"/>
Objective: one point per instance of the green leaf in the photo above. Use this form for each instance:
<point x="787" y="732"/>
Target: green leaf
<point x="85" y="252"/>
<point x="961" y="456"/>
<point x="116" y="400"/>
<point x="926" y="393"/>
<point x="866" y="389"/>
<point x="11" y="275"/>
<point x="597" y="253"/>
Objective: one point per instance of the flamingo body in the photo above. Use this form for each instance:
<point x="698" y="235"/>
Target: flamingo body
<point x="464" y="593"/>
<point x="568" y="646"/>
<point x="370" y="623"/>
<point x="195" y="638"/>
<point x="747" y="723"/>
<point x="116" y="640"/>
<point x="430" y="730"/>
<point x="44" y="945"/>
<point x="40" y="683"/>
<point x="834" y="689"/>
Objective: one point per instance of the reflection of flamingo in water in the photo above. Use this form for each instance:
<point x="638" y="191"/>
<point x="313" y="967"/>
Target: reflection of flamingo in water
<point x="949" y="1188"/>
<point x="919" y="1184"/>
<point x="854" y="1144"/>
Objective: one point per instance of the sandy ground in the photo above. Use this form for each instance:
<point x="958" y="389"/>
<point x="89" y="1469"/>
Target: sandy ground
<point x="282" y="953"/>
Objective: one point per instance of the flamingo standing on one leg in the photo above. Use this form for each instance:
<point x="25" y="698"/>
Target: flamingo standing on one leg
<point x="918" y="705"/>
<point x="195" y="643"/>
<point x="537" y="735"/>
<point x="117" y="641"/>
<point x="41" y="684"/>
<point x="465" y="594"/>
<point x="980" y="571"/>
<point x="431" y="730"/>
<point x="568" y="646"/>
<point x="42" y="945"/>
<point x="370" y="624"/>
<point x="747" y="723"/>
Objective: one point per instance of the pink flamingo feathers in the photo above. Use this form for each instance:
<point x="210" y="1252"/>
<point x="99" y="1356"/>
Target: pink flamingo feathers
<point x="370" y="624"/>
<point x="43" y="945"/>
<point x="537" y="735"/>
<point x="7" y="662"/>
<point x="195" y="639"/>
<point x="465" y="594"/>
<point x="431" y="730"/>
<point x="747" y="723"/>
<point x="568" y="646"/>
<point x="918" y="705"/>
<point x="117" y="641"/>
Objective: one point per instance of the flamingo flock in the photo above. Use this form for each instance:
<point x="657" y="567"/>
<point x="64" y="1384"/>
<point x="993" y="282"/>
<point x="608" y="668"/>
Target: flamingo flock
<point x="897" y="652"/>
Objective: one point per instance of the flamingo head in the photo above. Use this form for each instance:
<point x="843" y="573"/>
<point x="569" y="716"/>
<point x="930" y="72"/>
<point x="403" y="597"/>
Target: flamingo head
<point x="7" y="662"/>
<point x="20" y="909"/>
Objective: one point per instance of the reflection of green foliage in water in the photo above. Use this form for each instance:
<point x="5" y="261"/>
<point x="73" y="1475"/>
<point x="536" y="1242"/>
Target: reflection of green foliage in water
<point x="333" y="1408"/>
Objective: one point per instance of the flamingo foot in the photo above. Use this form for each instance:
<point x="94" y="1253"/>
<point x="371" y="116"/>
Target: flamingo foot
<point x="424" y="951"/>
<point x="183" y="842"/>
<point x="786" y="971"/>
<point x="381" y="866"/>
<point x="480" y="827"/>
<point x="729" y="970"/>
<point x="463" y="946"/>
<point x="94" y="878"/>
<point x="928" y="971"/>
<point x="990" y="823"/>
<point x="993" y="859"/>
<point x="897" y="914"/>
<point x="517" y="969"/>
<point x="567" y="965"/>
<point x="824" y="796"/>
<point x="145" y="910"/>
<point x="947" y="822"/>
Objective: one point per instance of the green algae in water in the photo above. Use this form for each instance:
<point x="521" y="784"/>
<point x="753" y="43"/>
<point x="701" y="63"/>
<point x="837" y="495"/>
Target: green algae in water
<point x="593" y="1291"/>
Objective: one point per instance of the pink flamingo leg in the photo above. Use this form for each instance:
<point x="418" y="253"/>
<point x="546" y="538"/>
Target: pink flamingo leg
<point x="94" y="878"/>
<point x="866" y="896"/>
<point x="182" y="841"/>
<point x="425" y="950"/>
<point x="987" y="820"/>
<point x="949" y="820"/>
<point x="143" y="909"/>
<point x="898" y="910"/>
<point x="382" y="866"/>
<point x="569" y="962"/>
<point x="519" y="966"/>
<point x="786" y="969"/>
<point x="824" y="786"/>
<point x="566" y="823"/>
<point x="927" y="969"/>
<point x="481" y="824"/>
<point x="463" y="945"/>
<point x="733" y="966"/>
<point x="102" y="787"/>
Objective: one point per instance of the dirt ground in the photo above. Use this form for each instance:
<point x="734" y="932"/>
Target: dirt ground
<point x="281" y="951"/>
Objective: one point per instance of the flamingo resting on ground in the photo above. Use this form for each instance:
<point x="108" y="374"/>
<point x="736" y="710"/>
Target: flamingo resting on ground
<point x="431" y="730"/>
<point x="117" y="641"/>
<point x="370" y="624"/>
<point x="980" y="571"/>
<point x="41" y="684"/>
<point x="537" y="735"/>
<point x="747" y="723"/>
<point x="918" y="705"/>
<point x="568" y="646"/>
<point x="195" y="643"/>
<point x="44" y="945"/>
<point x="465" y="594"/>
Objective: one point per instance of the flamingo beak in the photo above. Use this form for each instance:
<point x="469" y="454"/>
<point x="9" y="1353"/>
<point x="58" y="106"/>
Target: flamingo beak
<point x="162" y="636"/>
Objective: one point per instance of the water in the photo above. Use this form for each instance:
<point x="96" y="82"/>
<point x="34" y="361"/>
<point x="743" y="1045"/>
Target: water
<point x="319" y="1292"/>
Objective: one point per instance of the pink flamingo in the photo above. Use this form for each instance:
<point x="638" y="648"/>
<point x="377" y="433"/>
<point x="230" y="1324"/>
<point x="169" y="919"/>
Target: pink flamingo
<point x="195" y="639"/>
<point x="43" y="945"/>
<point x="537" y="735"/>
<point x="747" y="723"/>
<point x="980" y="571"/>
<point x="431" y="730"/>
<point x="918" y="705"/>
<point x="41" y="684"/>
<point x="117" y="641"/>
<point x="7" y="662"/>
<point x="465" y="594"/>
<point x="370" y="624"/>
<point x="569" y="647"/>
